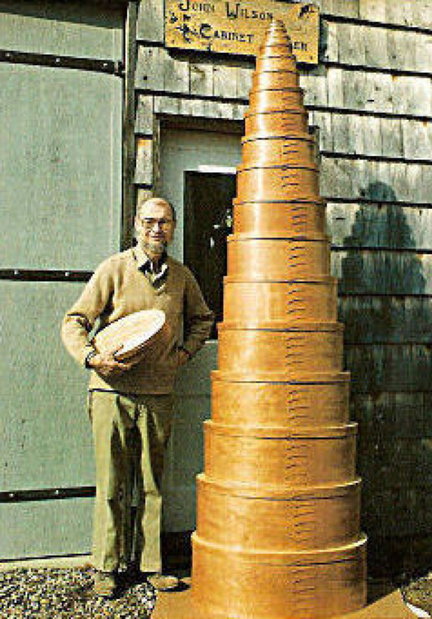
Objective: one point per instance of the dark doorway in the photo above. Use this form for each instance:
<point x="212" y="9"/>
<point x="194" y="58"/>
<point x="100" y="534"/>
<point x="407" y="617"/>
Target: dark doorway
<point x="208" y="221"/>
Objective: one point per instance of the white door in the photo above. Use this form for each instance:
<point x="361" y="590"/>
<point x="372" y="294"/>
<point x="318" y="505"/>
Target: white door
<point x="199" y="157"/>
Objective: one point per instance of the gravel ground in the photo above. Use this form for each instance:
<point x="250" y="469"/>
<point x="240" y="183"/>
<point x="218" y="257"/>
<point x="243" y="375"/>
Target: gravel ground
<point x="49" y="593"/>
<point x="419" y="593"/>
<point x="61" y="593"/>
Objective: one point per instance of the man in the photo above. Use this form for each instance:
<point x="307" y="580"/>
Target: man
<point x="130" y="405"/>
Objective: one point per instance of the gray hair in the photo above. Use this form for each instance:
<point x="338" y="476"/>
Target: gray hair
<point x="155" y="200"/>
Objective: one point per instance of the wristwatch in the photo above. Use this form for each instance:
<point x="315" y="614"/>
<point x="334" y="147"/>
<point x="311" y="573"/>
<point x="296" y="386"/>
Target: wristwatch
<point x="91" y="354"/>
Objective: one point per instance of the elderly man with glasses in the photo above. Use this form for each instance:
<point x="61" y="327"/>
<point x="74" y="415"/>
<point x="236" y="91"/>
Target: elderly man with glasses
<point x="131" y="405"/>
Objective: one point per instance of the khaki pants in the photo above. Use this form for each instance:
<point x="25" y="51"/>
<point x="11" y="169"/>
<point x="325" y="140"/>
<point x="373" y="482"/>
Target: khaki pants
<point x="130" y="434"/>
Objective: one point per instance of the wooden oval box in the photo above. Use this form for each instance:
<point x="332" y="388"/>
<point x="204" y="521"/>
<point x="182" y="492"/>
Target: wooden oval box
<point x="277" y="259"/>
<point x="278" y="183"/>
<point x="300" y="519"/>
<point x="280" y="459"/>
<point x="291" y="404"/>
<point x="298" y="218"/>
<point x="302" y="585"/>
<point x="255" y="303"/>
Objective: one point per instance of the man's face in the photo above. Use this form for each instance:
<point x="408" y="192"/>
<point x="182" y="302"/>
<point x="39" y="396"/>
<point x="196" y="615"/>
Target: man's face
<point x="155" y="226"/>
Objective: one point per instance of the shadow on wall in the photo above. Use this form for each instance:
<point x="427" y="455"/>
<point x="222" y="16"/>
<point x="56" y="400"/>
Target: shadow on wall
<point x="388" y="352"/>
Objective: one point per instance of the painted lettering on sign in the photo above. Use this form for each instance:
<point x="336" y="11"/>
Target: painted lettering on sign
<point x="235" y="11"/>
<point x="203" y="7"/>
<point x="238" y="27"/>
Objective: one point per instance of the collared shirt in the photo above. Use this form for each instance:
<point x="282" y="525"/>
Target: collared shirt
<point x="147" y="266"/>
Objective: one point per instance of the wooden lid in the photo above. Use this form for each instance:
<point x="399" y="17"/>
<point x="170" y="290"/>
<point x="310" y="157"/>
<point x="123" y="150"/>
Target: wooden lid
<point x="310" y="378"/>
<point x="348" y="552"/>
<point x="294" y="493"/>
<point x="274" y="433"/>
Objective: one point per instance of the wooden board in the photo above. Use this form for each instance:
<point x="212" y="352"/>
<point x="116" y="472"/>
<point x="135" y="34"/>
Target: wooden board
<point x="46" y="528"/>
<point x="150" y="23"/>
<point x="376" y="46"/>
<point x="398" y="181"/>
<point x="64" y="28"/>
<point x="62" y="168"/>
<point x="382" y="272"/>
<point x="238" y="27"/>
<point x="356" y="89"/>
<point x="388" y="367"/>
<point x="374" y="224"/>
<point x="46" y="434"/>
<point x="370" y="319"/>
<point x="413" y="14"/>
<point x="414" y="516"/>
<point x="353" y="88"/>
<point x="403" y="416"/>
<point x="179" y="606"/>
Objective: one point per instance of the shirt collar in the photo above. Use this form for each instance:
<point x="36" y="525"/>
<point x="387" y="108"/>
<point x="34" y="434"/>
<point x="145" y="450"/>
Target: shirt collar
<point x="143" y="261"/>
<point x="146" y="266"/>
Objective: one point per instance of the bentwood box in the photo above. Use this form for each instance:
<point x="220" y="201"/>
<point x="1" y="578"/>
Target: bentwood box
<point x="130" y="335"/>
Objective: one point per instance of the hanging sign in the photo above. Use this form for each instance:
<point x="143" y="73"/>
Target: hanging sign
<point x="238" y="27"/>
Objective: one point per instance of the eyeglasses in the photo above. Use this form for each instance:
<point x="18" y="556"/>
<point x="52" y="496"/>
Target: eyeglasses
<point x="150" y="222"/>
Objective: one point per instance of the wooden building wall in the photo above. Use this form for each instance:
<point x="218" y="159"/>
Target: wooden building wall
<point x="370" y="98"/>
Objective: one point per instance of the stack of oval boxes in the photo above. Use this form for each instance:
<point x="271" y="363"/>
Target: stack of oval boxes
<point x="278" y="505"/>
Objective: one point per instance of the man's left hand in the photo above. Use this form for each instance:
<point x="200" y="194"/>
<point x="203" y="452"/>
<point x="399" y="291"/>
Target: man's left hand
<point x="183" y="356"/>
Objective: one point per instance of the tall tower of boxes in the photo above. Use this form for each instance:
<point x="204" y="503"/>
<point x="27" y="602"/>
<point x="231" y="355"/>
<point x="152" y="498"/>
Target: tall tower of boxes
<point x="278" y="504"/>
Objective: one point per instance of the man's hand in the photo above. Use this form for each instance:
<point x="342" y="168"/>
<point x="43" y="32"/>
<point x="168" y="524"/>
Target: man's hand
<point x="106" y="365"/>
<point x="183" y="356"/>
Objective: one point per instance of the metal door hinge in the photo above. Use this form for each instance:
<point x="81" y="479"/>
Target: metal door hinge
<point x="119" y="68"/>
<point x="113" y="67"/>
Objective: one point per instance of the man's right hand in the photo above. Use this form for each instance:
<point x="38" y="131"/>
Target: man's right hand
<point x="106" y="365"/>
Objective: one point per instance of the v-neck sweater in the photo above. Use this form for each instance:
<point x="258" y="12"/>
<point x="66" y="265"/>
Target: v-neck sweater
<point x="118" y="288"/>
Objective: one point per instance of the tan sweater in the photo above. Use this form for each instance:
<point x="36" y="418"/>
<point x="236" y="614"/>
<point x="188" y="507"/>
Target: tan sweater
<point x="118" y="288"/>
